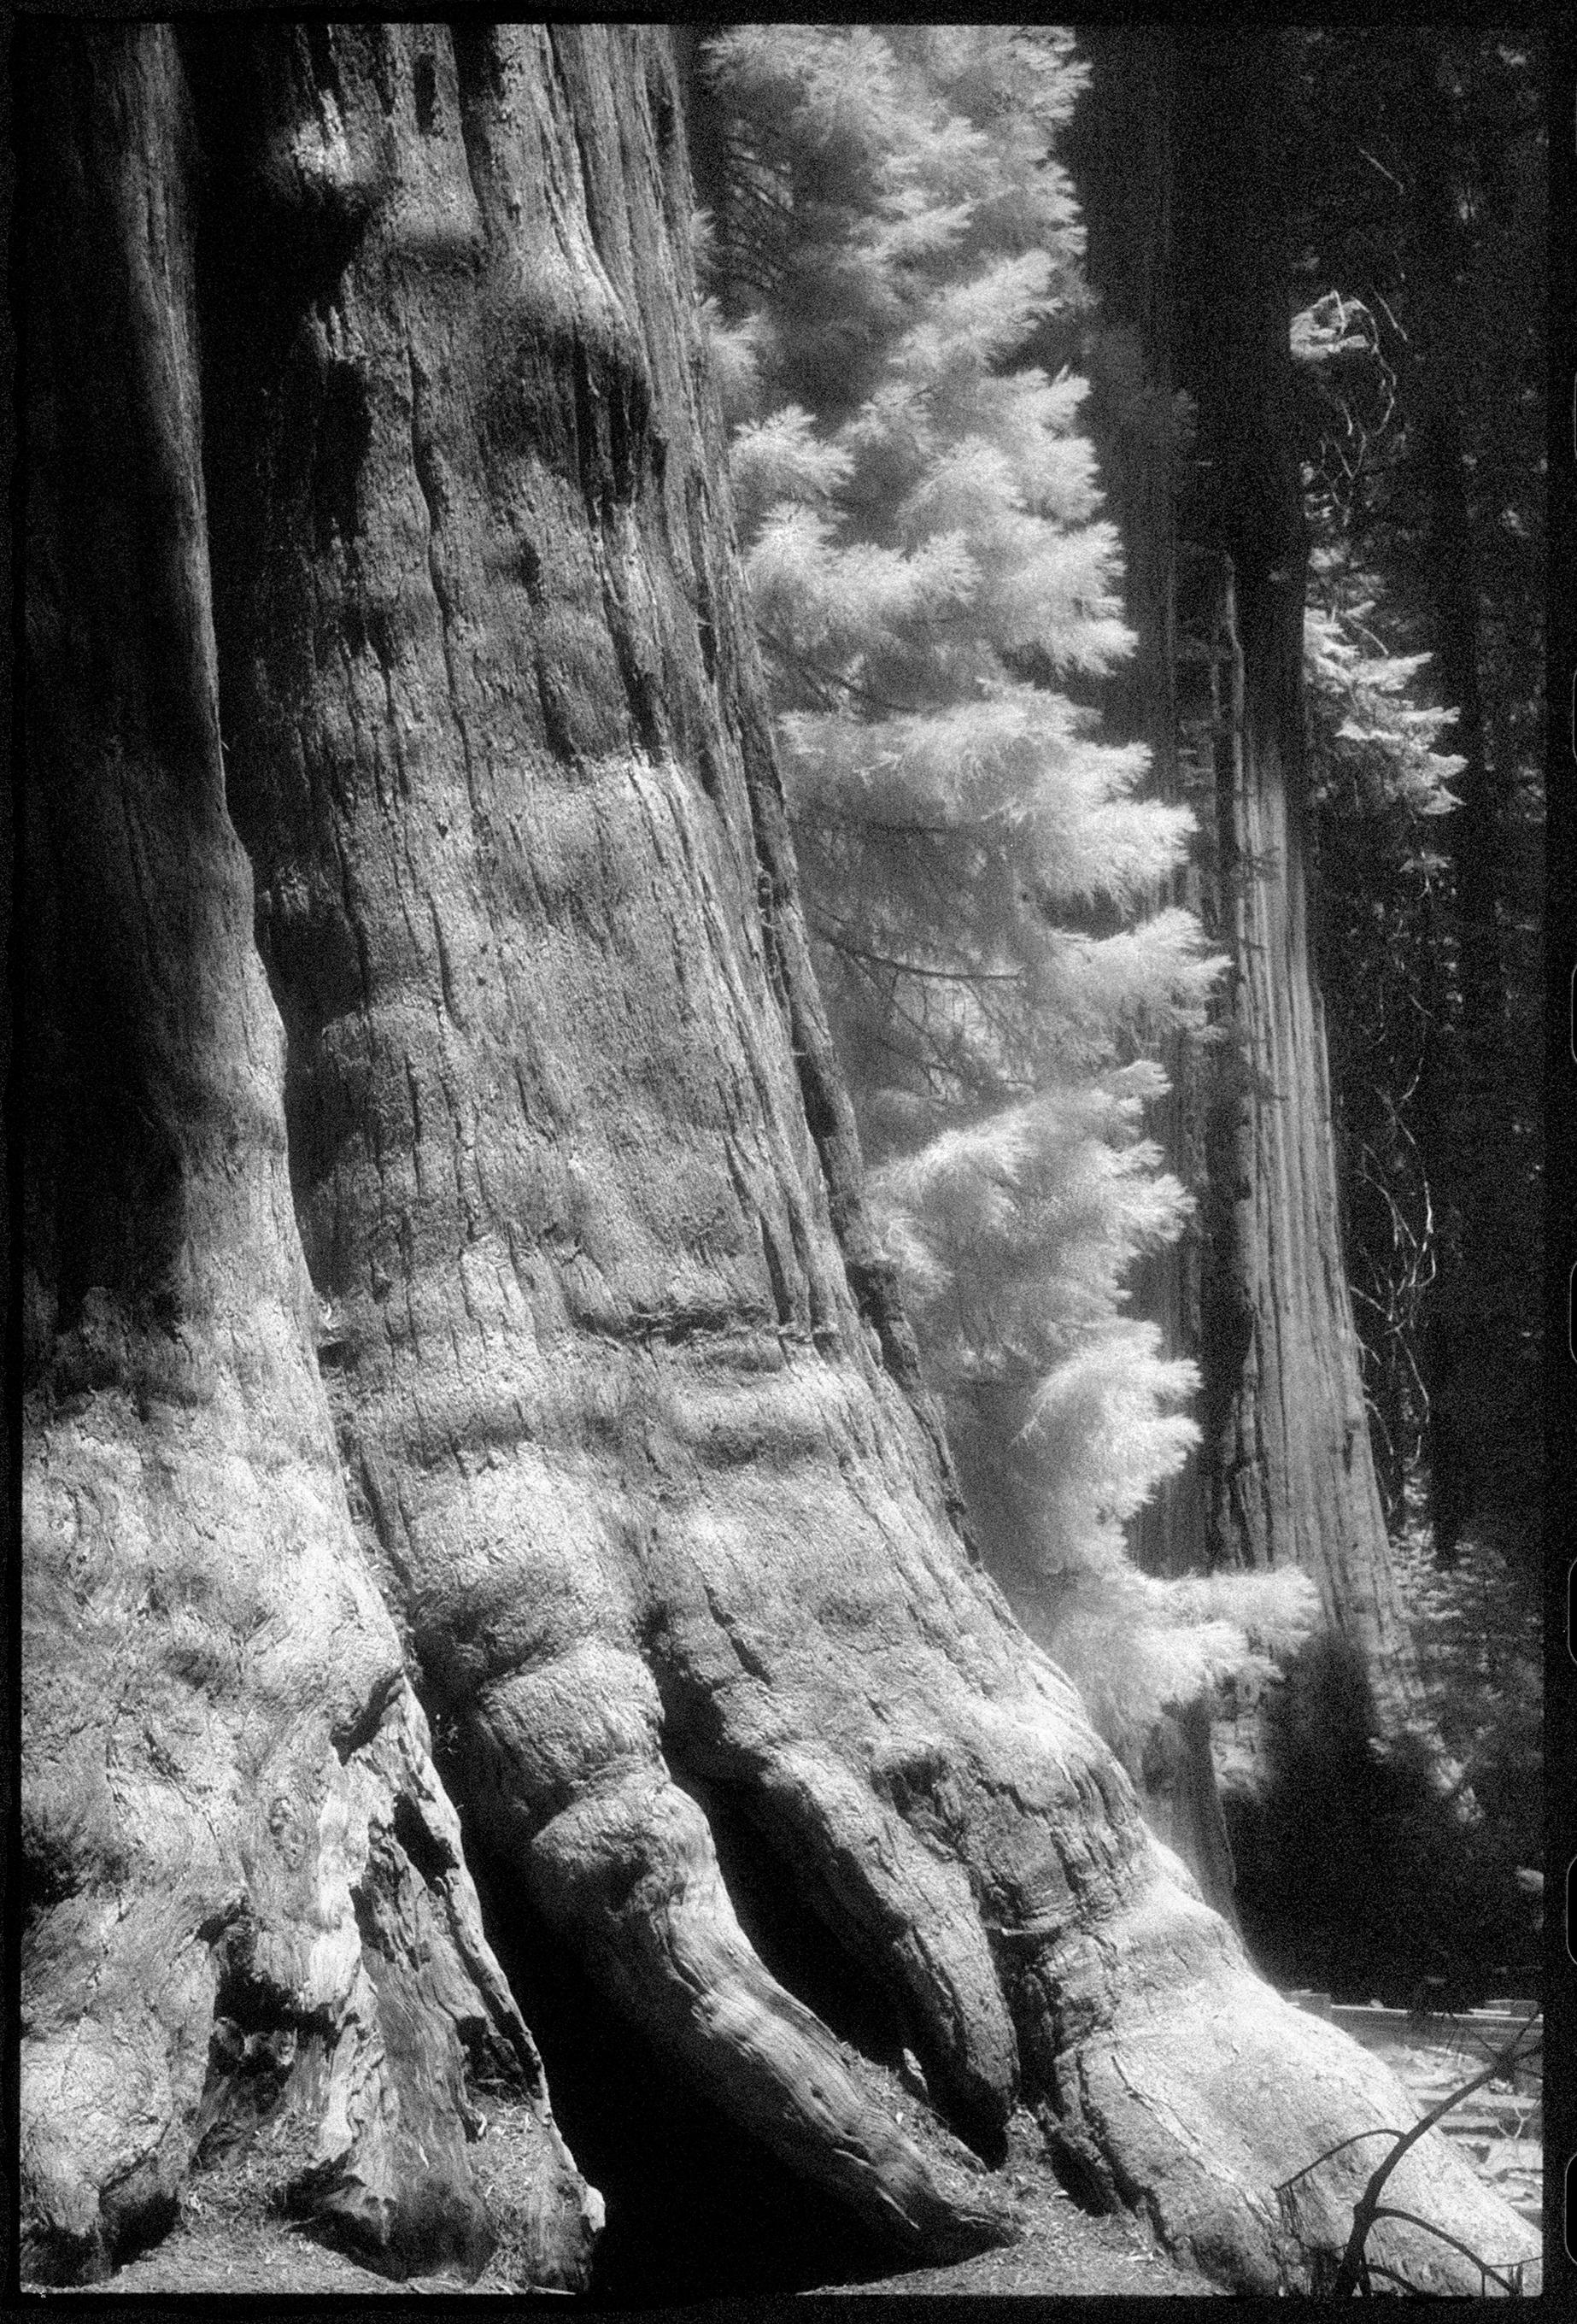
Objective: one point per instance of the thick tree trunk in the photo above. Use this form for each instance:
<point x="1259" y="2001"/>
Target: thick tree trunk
<point x="243" y="1874"/>
<point x="626" y="1406"/>
<point x="1290" y="1475"/>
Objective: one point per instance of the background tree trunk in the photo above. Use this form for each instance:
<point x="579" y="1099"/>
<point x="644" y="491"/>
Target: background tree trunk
<point x="1474" y="1363"/>
<point x="1120" y="154"/>
<point x="1186" y="253"/>
<point x="1288" y="1468"/>
<point x="623" y="1398"/>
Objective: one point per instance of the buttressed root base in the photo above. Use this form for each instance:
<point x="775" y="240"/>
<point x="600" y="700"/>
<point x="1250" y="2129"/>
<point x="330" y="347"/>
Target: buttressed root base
<point x="513" y="1317"/>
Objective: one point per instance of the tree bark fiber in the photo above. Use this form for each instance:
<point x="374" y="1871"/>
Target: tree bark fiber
<point x="622" y="1398"/>
<point x="1288" y="1468"/>
<point x="233" y="1829"/>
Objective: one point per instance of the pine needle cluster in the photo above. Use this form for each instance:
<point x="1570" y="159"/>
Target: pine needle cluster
<point x="937" y="592"/>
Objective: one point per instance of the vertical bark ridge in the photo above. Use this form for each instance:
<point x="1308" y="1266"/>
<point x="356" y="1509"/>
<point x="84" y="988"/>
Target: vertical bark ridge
<point x="1291" y="1471"/>
<point x="595" y="936"/>
<point x="637" y="1491"/>
<point x="234" y="1833"/>
<point x="656" y="1495"/>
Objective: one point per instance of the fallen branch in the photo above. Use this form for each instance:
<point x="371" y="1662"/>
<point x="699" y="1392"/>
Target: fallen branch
<point x="1353" y="2274"/>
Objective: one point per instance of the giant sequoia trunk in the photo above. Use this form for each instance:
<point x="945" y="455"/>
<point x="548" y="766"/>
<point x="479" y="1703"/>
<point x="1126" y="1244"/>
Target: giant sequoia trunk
<point x="1288" y="1473"/>
<point x="596" y="1428"/>
<point x="243" y="1874"/>
<point x="1175" y="165"/>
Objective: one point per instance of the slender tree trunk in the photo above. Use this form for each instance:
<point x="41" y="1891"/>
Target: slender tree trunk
<point x="1120" y="155"/>
<point x="1290" y="1475"/>
<point x="1122" y="158"/>
<point x="1259" y="1293"/>
<point x="621" y="1398"/>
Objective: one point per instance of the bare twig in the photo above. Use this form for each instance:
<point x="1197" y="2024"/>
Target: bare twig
<point x="1353" y="2275"/>
<point x="1393" y="2212"/>
<point x="915" y="968"/>
<point x="1380" y="2130"/>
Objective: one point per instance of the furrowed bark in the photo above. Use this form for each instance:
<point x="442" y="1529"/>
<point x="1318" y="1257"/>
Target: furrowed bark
<point x="244" y="1876"/>
<point x="1186" y="251"/>
<point x="576" y="1223"/>
<point x="626" y="1432"/>
<point x="567" y="1150"/>
<point x="1289" y="1468"/>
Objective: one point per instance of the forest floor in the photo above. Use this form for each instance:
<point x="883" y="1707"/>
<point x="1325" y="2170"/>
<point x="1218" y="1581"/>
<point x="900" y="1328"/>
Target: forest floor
<point x="1059" y="2250"/>
<point x="229" y="2239"/>
<point x="225" y="2241"/>
<point x="1063" y="2253"/>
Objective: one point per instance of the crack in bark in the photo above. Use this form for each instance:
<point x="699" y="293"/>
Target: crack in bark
<point x="430" y="483"/>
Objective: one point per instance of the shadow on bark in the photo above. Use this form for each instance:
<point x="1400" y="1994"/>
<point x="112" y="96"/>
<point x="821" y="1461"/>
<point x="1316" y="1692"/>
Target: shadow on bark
<point x="697" y="2209"/>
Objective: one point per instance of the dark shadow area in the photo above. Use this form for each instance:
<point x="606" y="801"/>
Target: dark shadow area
<point x="793" y="1941"/>
<point x="787" y="1901"/>
<point x="696" y="2210"/>
<point x="1355" y="1876"/>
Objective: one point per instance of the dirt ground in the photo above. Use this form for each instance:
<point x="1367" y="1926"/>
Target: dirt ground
<point x="1060" y="2250"/>
<point x="228" y="2241"/>
<point x="1064" y="2253"/>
